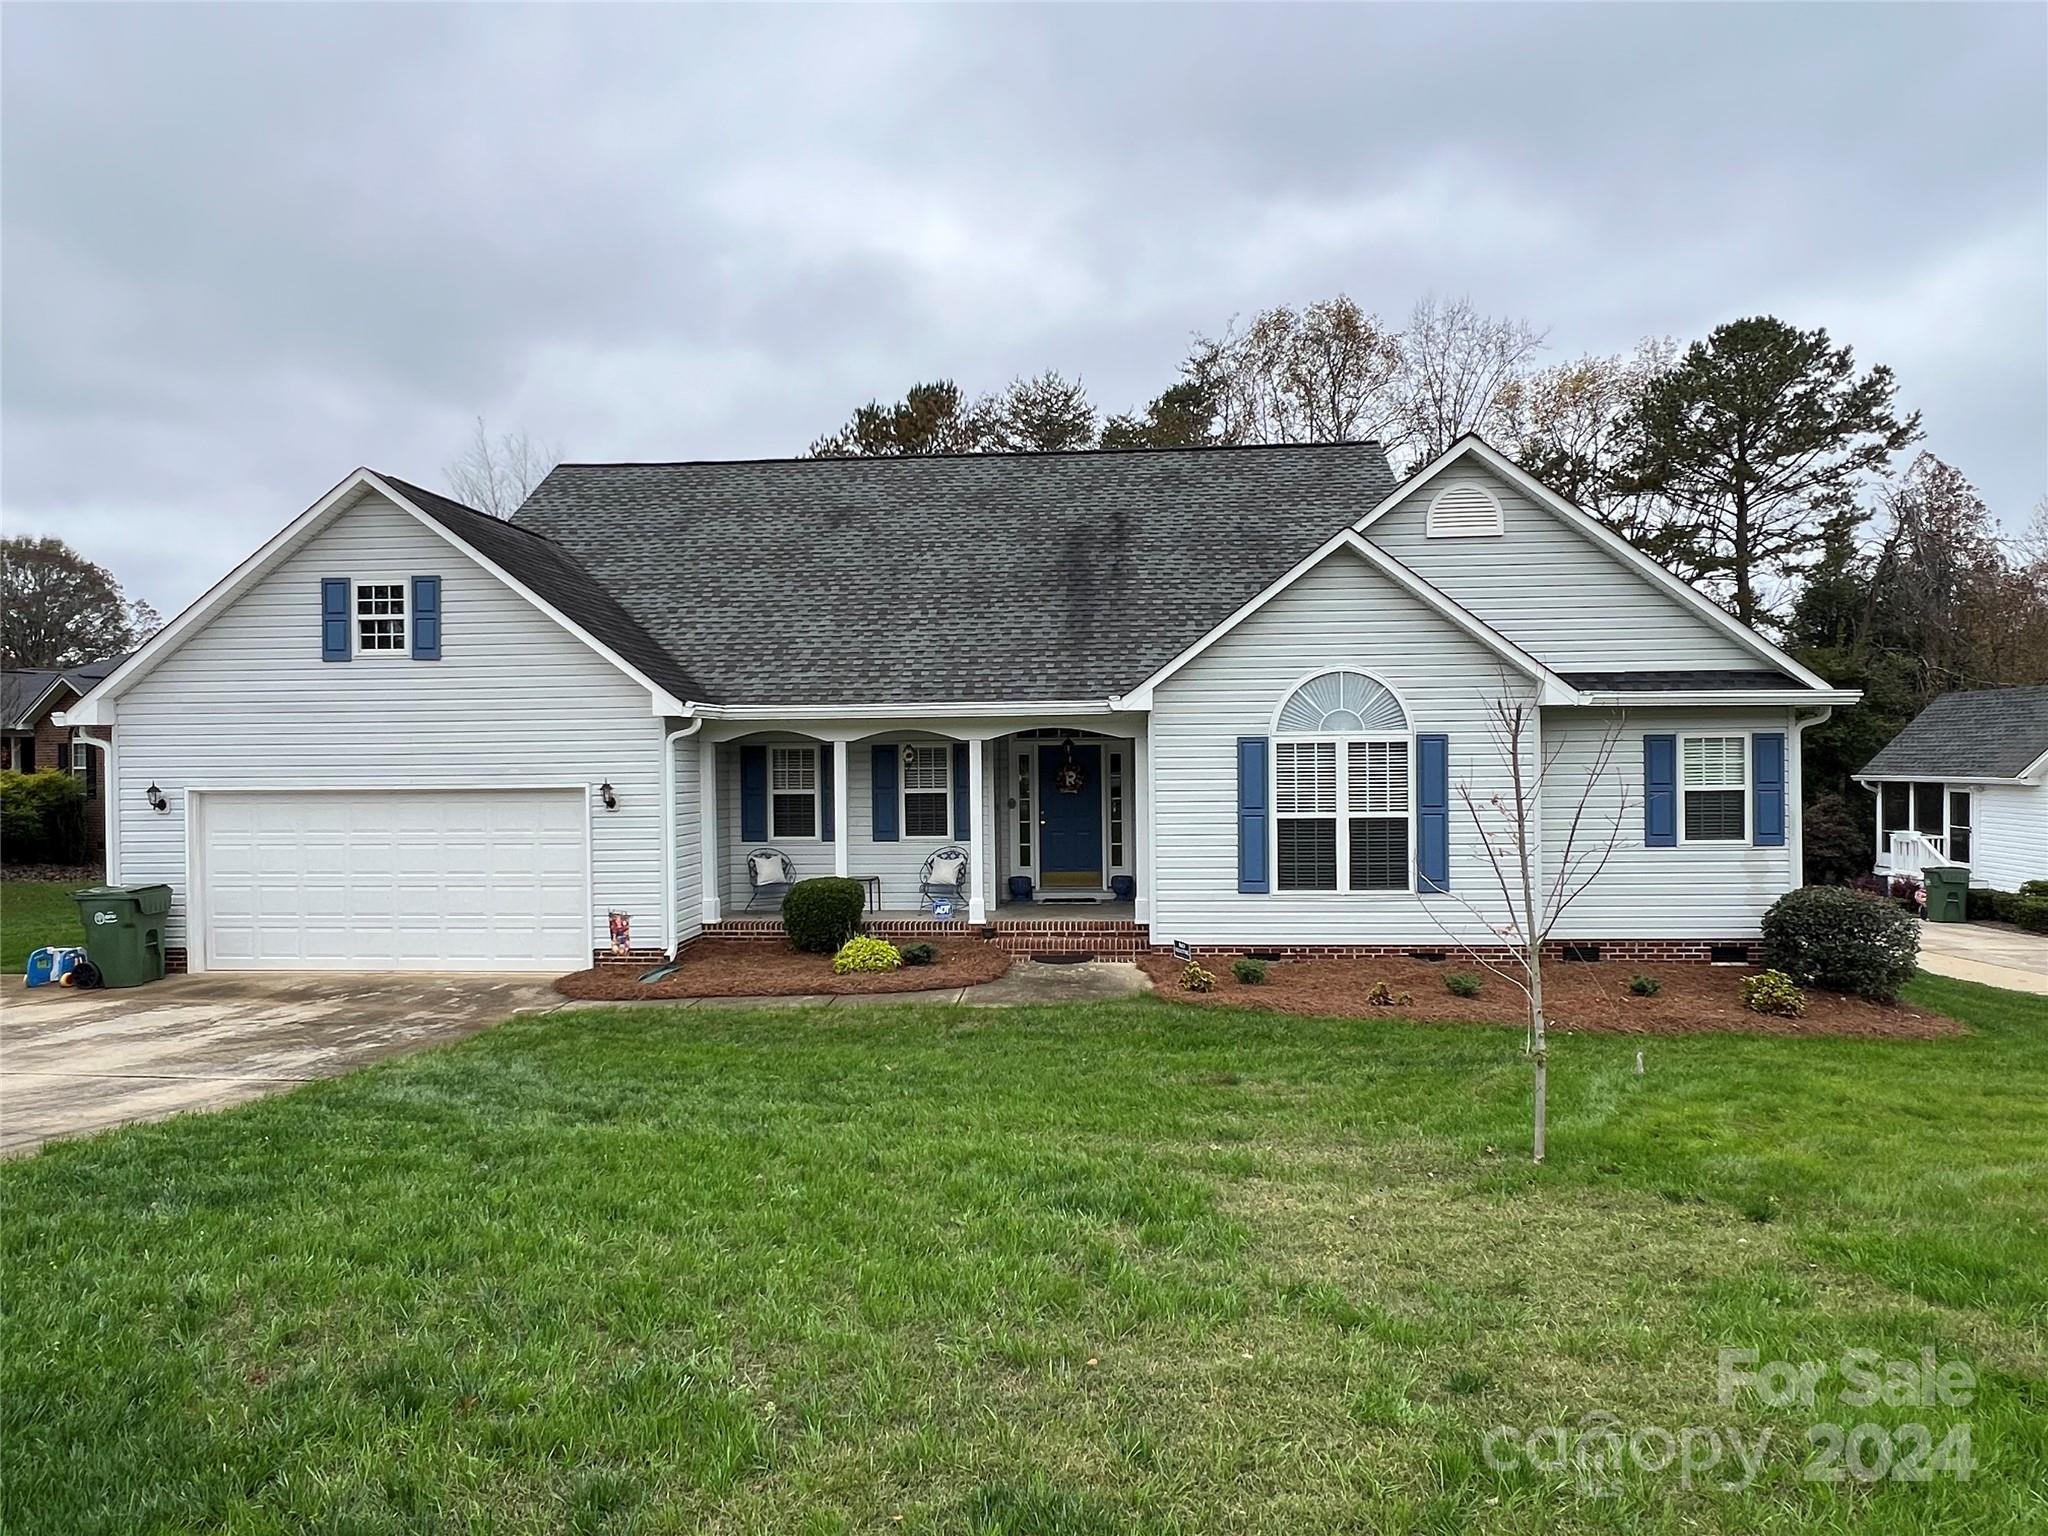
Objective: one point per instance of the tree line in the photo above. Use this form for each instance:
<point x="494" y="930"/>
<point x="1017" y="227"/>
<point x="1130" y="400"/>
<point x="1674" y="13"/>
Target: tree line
<point x="1759" y="463"/>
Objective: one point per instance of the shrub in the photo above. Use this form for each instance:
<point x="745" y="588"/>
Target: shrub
<point x="1773" y="992"/>
<point x="1462" y="984"/>
<point x="1822" y="936"/>
<point x="1382" y="995"/>
<point x="919" y="954"/>
<point x="822" y="914"/>
<point x="1249" y="971"/>
<point x="42" y="817"/>
<point x="858" y="956"/>
<point x="2031" y="912"/>
<point x="1835" y="846"/>
<point x="1195" y="979"/>
<point x="1644" y="986"/>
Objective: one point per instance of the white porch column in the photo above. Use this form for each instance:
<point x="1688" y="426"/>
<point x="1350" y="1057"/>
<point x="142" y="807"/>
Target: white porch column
<point x="977" y="884"/>
<point x="711" y="856"/>
<point x="841" y="834"/>
<point x="1140" y="818"/>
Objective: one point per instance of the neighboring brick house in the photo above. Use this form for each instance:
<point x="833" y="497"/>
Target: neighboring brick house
<point x="33" y="740"/>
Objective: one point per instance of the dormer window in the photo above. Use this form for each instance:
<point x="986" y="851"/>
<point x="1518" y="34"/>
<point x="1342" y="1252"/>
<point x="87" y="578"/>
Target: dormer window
<point x="380" y="618"/>
<point x="1464" y="511"/>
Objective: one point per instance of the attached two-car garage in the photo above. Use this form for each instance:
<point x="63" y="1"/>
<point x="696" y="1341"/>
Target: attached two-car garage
<point x="392" y="879"/>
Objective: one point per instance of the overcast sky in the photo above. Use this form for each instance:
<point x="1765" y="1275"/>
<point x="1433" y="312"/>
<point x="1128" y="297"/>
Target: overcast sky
<point x="246" y="249"/>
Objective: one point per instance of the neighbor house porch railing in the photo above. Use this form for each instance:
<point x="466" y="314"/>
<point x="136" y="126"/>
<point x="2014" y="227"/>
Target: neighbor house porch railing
<point x="1910" y="853"/>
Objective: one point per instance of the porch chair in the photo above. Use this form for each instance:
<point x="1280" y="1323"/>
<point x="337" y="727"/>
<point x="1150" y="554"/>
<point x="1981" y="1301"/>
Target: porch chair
<point x="770" y="874"/>
<point x="943" y="878"/>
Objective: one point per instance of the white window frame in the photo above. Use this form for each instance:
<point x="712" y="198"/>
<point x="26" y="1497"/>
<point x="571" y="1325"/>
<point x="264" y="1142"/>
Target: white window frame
<point x="1026" y="829"/>
<point x="356" y="616"/>
<point x="904" y="792"/>
<point x="78" y="755"/>
<point x="815" y="794"/>
<point x="1344" y="813"/>
<point x="1747" y="787"/>
<point x="1948" y="821"/>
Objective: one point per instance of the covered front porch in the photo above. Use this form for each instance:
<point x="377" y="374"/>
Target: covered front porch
<point x="1046" y="821"/>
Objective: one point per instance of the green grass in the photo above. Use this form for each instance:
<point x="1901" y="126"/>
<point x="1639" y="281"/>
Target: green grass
<point x="1143" y="1267"/>
<point x="34" y="913"/>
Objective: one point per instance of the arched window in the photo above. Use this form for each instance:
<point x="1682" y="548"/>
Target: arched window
<point x="1343" y="793"/>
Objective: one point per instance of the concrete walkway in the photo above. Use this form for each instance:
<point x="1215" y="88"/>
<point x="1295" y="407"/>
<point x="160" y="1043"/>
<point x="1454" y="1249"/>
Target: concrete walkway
<point x="1989" y="953"/>
<point x="1028" y="982"/>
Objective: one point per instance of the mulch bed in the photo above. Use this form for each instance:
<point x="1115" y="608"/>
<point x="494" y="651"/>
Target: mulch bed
<point x="1579" y="998"/>
<point x="80" y="875"/>
<point x="754" y="968"/>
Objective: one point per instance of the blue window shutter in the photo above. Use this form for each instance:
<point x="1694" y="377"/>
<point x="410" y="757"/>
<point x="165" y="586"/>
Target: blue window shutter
<point x="334" y="618"/>
<point x="963" y="826"/>
<point x="1433" y="813"/>
<point x="827" y="800"/>
<point x="426" y="618"/>
<point x="1254" y="825"/>
<point x="882" y="794"/>
<point x="1660" y="791"/>
<point x="1767" y="789"/>
<point x="753" y="794"/>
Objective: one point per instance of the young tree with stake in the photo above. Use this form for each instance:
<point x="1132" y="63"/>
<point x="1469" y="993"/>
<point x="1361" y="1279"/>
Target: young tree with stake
<point x="1536" y="884"/>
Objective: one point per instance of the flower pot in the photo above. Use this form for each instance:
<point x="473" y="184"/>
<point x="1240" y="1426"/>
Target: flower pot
<point x="1122" y="887"/>
<point x="1020" y="887"/>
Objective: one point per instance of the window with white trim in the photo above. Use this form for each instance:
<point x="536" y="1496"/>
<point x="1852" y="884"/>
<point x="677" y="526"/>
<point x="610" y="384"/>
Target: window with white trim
<point x="793" y="791"/>
<point x="928" y="791"/>
<point x="380" y="618"/>
<point x="81" y="760"/>
<point x="1713" y="778"/>
<point x="1343" y="792"/>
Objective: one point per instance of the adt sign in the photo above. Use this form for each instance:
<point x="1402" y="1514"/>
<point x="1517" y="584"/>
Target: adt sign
<point x="942" y="910"/>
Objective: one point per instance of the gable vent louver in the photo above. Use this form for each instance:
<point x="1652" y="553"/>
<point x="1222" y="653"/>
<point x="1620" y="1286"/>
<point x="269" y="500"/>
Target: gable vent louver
<point x="1464" y="512"/>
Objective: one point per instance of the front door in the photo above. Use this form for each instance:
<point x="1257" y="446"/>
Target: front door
<point x="1070" y="816"/>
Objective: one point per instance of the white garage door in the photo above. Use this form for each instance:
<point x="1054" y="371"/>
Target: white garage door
<point x="413" y="880"/>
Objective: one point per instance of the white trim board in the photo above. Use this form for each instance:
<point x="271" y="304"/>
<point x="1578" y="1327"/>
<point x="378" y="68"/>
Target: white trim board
<point x="98" y="707"/>
<point x="1474" y="446"/>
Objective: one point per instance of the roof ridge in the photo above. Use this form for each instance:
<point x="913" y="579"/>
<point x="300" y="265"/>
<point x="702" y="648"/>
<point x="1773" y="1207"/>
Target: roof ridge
<point x="1004" y="453"/>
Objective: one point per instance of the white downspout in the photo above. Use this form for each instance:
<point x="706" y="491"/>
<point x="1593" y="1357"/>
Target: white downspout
<point x="668" y="830"/>
<point x="108" y="803"/>
<point x="1795" y="789"/>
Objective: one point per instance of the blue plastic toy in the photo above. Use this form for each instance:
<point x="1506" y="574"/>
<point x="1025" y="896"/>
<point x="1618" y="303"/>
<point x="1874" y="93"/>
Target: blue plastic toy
<point x="52" y="963"/>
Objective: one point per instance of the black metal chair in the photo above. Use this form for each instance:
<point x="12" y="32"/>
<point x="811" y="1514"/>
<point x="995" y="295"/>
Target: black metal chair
<point x="770" y="874"/>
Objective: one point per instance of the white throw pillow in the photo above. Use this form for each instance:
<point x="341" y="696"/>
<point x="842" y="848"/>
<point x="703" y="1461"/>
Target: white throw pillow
<point x="771" y="869"/>
<point x="947" y="870"/>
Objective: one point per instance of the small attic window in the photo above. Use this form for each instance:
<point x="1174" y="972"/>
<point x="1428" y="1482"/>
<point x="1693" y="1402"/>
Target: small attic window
<point x="1465" y="511"/>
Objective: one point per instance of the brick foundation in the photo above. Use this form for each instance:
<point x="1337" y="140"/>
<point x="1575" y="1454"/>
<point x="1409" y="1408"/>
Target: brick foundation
<point x="639" y="957"/>
<point x="1666" y="951"/>
<point x="1118" y="940"/>
<point x="174" y="960"/>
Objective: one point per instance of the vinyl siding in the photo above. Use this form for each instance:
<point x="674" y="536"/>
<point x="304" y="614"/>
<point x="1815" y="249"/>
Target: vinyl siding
<point x="1697" y="891"/>
<point x="2009" y="839"/>
<point x="1340" y="613"/>
<point x="898" y="864"/>
<point x="1552" y="590"/>
<point x="248" y="703"/>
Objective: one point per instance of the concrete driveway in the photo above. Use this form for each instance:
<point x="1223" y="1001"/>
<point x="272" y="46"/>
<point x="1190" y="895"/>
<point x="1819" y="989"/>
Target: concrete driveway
<point x="1991" y="953"/>
<point x="72" y="1062"/>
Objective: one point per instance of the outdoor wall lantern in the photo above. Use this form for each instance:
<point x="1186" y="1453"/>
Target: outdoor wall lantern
<point x="604" y="793"/>
<point x="156" y="799"/>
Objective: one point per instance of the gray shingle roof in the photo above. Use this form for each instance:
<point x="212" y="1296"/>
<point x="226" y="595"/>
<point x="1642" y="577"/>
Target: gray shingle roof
<point x="1761" y="678"/>
<point x="19" y="690"/>
<point x="1988" y="733"/>
<point x="974" y="577"/>
<point x="544" y="568"/>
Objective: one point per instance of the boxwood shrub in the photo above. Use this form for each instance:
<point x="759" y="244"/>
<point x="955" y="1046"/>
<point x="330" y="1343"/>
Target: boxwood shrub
<point x="42" y="817"/>
<point x="1845" y="941"/>
<point x="822" y="914"/>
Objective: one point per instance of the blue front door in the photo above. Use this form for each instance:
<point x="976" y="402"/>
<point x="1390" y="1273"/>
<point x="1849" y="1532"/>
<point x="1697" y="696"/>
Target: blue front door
<point x="1070" y="817"/>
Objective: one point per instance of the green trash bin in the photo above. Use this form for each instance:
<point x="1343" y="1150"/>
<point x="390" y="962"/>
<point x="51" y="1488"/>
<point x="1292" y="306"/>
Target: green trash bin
<point x="124" y="931"/>
<point x="1948" y="893"/>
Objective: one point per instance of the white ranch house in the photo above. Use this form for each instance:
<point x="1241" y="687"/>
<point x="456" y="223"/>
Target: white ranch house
<point x="1222" y="696"/>
<point x="1966" y="784"/>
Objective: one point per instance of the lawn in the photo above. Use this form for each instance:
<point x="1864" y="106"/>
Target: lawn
<point x="34" y="913"/>
<point x="1136" y="1267"/>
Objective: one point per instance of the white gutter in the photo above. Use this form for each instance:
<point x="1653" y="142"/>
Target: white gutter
<point x="1795" y="794"/>
<point x="1721" y="697"/>
<point x="914" y="710"/>
<point x="109" y="798"/>
<point x="668" y="830"/>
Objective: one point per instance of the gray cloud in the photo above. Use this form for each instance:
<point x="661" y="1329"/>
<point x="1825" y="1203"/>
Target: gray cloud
<point x="249" y="248"/>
